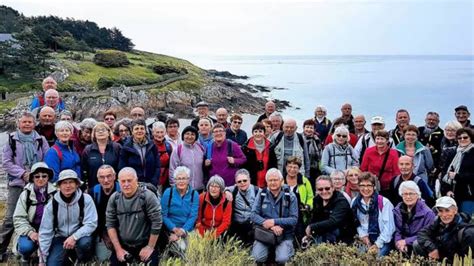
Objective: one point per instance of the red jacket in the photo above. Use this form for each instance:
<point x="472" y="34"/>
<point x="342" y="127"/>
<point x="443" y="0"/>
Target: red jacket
<point x="372" y="162"/>
<point x="214" y="217"/>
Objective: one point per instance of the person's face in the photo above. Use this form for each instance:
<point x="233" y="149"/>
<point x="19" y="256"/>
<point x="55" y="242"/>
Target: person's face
<point x="47" y="118"/>
<point x="65" y="118"/>
<point x="221" y="116"/>
<point x="182" y="181"/>
<point x="26" y="125"/>
<point x="86" y="134"/>
<point x="268" y="129"/>
<point x="49" y="84"/>
<point x="353" y="177"/>
<point x="40" y="179"/>
<point x="106" y="178"/>
<point x="214" y="190"/>
<point x="203" y="111"/>
<point x="68" y="187"/>
<point x="377" y="127"/>
<point x="308" y="130"/>
<point x="292" y="169"/>
<point x="243" y="182"/>
<point x="432" y="121"/>
<point x="409" y="197"/>
<point x="410" y="137"/>
<point x="450" y="133"/>
<point x="338" y="182"/>
<point x="109" y="120"/>
<point x="172" y="130"/>
<point x="269" y="107"/>
<point x="218" y="135"/>
<point x="366" y="189"/>
<point x="236" y="123"/>
<point x="464" y="140"/>
<point x="320" y="113"/>
<point x="406" y="166"/>
<point x="462" y="116"/>
<point x="139" y="132"/>
<point x="359" y="123"/>
<point x="341" y="138"/>
<point x="274" y="183"/>
<point x="52" y="100"/>
<point x="128" y="184"/>
<point x="324" y="189"/>
<point x="289" y="128"/>
<point x="101" y="133"/>
<point x="447" y="214"/>
<point x="346" y="110"/>
<point x="123" y="132"/>
<point x="276" y="123"/>
<point x="137" y="113"/>
<point x="189" y="137"/>
<point x="402" y="119"/>
<point x="380" y="142"/>
<point x="258" y="135"/>
<point x="159" y="134"/>
<point x="63" y="134"/>
<point x="204" y="127"/>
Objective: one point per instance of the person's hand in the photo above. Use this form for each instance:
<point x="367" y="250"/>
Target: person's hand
<point x="69" y="243"/>
<point x="373" y="249"/>
<point x="26" y="176"/>
<point x="401" y="245"/>
<point x="269" y="223"/>
<point x="121" y="254"/>
<point x="230" y="159"/>
<point x="228" y="195"/>
<point x="450" y="194"/>
<point x="277" y="230"/>
<point x="308" y="231"/>
<point x="145" y="253"/>
<point x="452" y="174"/>
<point x="173" y="238"/>
<point x="34" y="237"/>
<point x="434" y="255"/>
<point x="365" y="240"/>
<point x="207" y="162"/>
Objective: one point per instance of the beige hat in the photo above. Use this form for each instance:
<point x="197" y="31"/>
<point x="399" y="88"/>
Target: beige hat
<point x="68" y="174"/>
<point x="445" y="202"/>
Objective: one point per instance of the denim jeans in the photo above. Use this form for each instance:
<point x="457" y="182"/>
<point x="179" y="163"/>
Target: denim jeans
<point x="26" y="246"/>
<point x="59" y="256"/>
<point x="283" y="251"/>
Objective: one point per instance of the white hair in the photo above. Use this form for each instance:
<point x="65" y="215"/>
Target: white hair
<point x="272" y="172"/>
<point x="88" y="123"/>
<point x="181" y="170"/>
<point x="128" y="170"/>
<point x="409" y="185"/>
<point x="275" y="114"/>
<point x="322" y="107"/>
<point x="341" y="130"/>
<point x="159" y="125"/>
<point x="62" y="125"/>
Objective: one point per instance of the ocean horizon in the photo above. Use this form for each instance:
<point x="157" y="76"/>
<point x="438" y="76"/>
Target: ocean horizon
<point x="373" y="84"/>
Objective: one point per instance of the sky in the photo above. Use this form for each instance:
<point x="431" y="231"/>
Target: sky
<point x="281" y="27"/>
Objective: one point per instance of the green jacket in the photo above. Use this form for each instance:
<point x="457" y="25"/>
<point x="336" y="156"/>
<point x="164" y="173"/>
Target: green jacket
<point x="304" y="193"/>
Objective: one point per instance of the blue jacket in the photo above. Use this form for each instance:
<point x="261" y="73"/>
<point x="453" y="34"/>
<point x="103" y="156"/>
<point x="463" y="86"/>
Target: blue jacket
<point x="240" y="137"/>
<point x="92" y="159"/>
<point x="70" y="159"/>
<point x="36" y="103"/>
<point x="149" y="170"/>
<point x="181" y="212"/>
<point x="270" y="209"/>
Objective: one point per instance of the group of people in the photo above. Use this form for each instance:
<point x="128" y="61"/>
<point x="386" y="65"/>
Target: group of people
<point x="127" y="190"/>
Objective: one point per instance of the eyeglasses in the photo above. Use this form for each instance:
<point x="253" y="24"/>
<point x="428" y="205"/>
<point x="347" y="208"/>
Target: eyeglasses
<point x="409" y="194"/>
<point x="237" y="122"/>
<point x="218" y="131"/>
<point x="101" y="130"/>
<point x="341" y="136"/>
<point x="109" y="119"/>
<point x="242" y="181"/>
<point x="366" y="186"/>
<point x="324" y="188"/>
<point x="40" y="176"/>
<point x="181" y="179"/>
<point x="463" y="137"/>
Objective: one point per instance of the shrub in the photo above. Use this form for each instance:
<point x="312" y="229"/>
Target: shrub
<point x="104" y="83"/>
<point x="111" y="58"/>
<point x="167" y="69"/>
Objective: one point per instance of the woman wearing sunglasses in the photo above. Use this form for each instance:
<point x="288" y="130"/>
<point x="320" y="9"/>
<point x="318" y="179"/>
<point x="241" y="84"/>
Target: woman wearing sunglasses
<point x="234" y="132"/>
<point x="29" y="210"/>
<point x="339" y="155"/>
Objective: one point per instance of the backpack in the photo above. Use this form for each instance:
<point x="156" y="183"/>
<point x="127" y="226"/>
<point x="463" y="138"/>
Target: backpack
<point x="287" y="197"/>
<point x="171" y="196"/>
<point x="204" y="204"/>
<point x="234" y="195"/>
<point x="280" y="136"/>
<point x="397" y="179"/>
<point x="97" y="191"/>
<point x="142" y="187"/>
<point x="58" y="150"/>
<point x="12" y="144"/>
<point x="230" y="151"/>
<point x="55" y="211"/>
<point x="30" y="203"/>
<point x="365" y="144"/>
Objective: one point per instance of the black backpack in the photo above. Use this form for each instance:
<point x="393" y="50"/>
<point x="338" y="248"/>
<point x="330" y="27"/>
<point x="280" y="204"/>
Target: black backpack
<point x="30" y="203"/>
<point x="12" y="144"/>
<point x="56" y="207"/>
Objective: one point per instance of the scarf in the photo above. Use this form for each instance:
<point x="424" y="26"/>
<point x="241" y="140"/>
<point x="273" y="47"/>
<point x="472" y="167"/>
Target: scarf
<point x="456" y="162"/>
<point x="350" y="188"/>
<point x="29" y="149"/>
<point x="372" y="211"/>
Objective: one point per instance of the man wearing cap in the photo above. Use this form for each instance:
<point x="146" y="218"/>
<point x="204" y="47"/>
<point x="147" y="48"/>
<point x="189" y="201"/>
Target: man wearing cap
<point x="203" y="112"/>
<point x="29" y="210"/>
<point x="367" y="140"/>
<point x="133" y="221"/>
<point x="443" y="238"/>
<point x="25" y="147"/>
<point x="68" y="222"/>
<point x="40" y="99"/>
<point x="462" y="115"/>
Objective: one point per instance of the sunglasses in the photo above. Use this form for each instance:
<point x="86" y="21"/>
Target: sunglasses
<point x="341" y="136"/>
<point x="463" y="138"/>
<point x="242" y="181"/>
<point x="324" y="188"/>
<point x="237" y="122"/>
<point x="40" y="176"/>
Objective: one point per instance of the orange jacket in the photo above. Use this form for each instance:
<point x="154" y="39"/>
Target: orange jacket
<point x="213" y="217"/>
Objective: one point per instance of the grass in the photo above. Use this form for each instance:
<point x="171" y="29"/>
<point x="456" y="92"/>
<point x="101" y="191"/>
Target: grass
<point x="6" y="105"/>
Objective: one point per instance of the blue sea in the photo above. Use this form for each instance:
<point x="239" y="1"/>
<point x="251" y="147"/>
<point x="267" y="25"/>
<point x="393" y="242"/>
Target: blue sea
<point x="374" y="85"/>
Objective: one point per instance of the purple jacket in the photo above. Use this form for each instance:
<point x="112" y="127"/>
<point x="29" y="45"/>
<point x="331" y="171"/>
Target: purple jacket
<point x="220" y="165"/>
<point x="14" y="166"/>
<point x="424" y="217"/>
